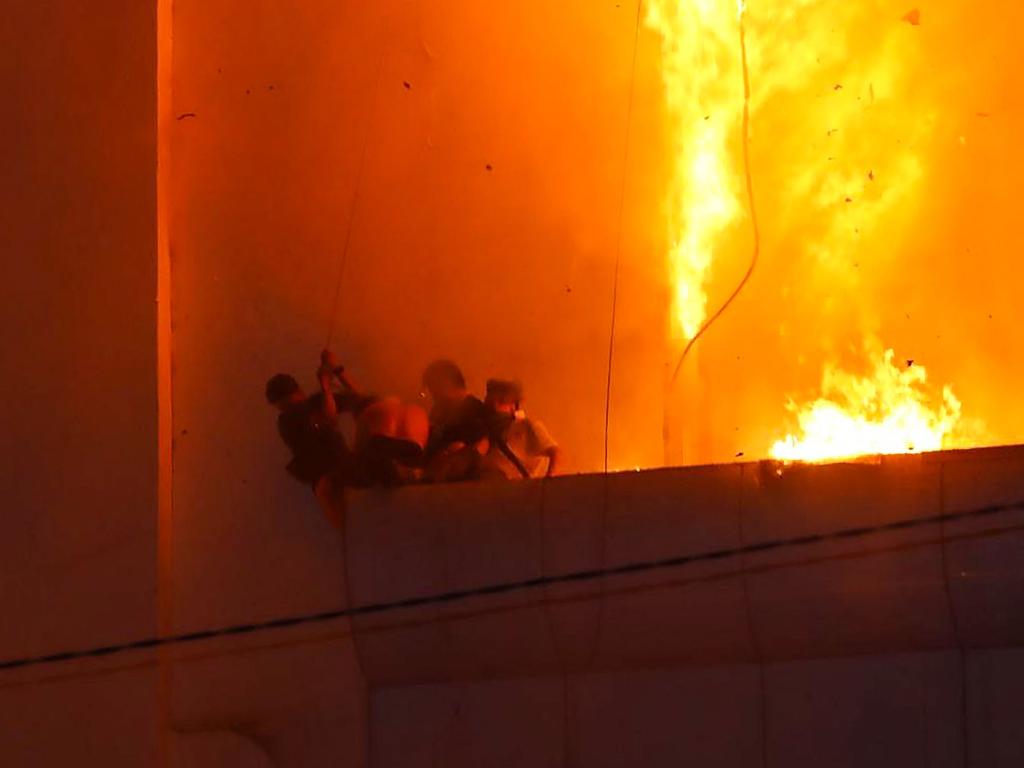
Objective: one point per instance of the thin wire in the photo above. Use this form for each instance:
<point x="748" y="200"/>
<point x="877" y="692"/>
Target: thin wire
<point x="752" y="207"/>
<point x="525" y="585"/>
<point x="618" y="242"/>
<point x="574" y="598"/>
<point x="614" y="316"/>
<point x="343" y="261"/>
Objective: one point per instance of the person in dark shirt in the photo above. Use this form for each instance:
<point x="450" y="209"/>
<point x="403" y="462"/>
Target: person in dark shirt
<point x="308" y="425"/>
<point x="458" y="425"/>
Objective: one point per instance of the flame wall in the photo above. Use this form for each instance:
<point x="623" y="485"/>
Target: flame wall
<point x="486" y="221"/>
<point x="883" y="160"/>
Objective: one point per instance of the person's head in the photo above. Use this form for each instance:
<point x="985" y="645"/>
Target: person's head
<point x="283" y="390"/>
<point x="445" y="383"/>
<point x="504" y="396"/>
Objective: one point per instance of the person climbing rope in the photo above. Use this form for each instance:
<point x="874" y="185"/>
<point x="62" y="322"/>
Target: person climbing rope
<point x="309" y="426"/>
<point x="390" y="436"/>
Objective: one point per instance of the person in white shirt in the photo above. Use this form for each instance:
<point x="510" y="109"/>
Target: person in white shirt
<point x="520" y="447"/>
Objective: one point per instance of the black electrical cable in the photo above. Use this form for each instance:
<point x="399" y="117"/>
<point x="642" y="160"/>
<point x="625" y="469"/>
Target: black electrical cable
<point x="357" y="187"/>
<point x="455" y="596"/>
<point x="618" y="241"/>
<point x="575" y="597"/>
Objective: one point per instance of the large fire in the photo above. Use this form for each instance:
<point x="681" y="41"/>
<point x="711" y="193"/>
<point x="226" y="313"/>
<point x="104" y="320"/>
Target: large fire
<point x="704" y="94"/>
<point x="887" y="411"/>
<point x="836" y="199"/>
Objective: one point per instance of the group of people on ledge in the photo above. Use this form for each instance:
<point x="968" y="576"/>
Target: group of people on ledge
<point x="462" y="438"/>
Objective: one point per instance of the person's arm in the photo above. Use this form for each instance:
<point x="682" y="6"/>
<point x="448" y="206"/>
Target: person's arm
<point x="330" y="361"/>
<point x="554" y="454"/>
<point x="351" y="398"/>
<point x="348" y="382"/>
<point x="542" y="444"/>
<point x="329" y="405"/>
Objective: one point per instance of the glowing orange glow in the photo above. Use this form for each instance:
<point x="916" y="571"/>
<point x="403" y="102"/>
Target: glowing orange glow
<point x="889" y="410"/>
<point x="852" y="152"/>
<point x="703" y="91"/>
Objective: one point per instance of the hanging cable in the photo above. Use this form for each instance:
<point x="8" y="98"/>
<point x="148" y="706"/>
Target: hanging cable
<point x="752" y="207"/>
<point x="538" y="583"/>
<point x="618" y="242"/>
<point x="355" y="193"/>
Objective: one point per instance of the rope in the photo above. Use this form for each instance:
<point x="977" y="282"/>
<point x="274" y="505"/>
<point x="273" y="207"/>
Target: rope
<point x="614" y="317"/>
<point x="752" y="207"/>
<point x="524" y="585"/>
<point x="355" y="195"/>
<point x="618" y="241"/>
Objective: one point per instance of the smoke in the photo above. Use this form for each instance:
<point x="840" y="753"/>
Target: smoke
<point x="486" y="226"/>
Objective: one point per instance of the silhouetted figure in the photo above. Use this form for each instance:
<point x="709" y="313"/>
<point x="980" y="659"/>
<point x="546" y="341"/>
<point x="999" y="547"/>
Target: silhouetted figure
<point x="321" y="457"/>
<point x="458" y="425"/>
<point x="518" y="445"/>
<point x="390" y="436"/>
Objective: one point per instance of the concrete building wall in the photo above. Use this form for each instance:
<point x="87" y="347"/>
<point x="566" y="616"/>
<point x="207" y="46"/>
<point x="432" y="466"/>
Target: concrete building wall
<point x="389" y="115"/>
<point x="894" y="648"/>
<point x="78" y="415"/>
<point x="893" y="710"/>
<point x="471" y="156"/>
<point x="290" y="123"/>
<point x="296" y="121"/>
<point x="899" y="648"/>
<point x="909" y="656"/>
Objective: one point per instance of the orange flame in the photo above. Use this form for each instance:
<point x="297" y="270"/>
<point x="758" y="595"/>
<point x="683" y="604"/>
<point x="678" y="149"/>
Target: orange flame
<point x="852" y="128"/>
<point x="704" y="97"/>
<point x="888" y="411"/>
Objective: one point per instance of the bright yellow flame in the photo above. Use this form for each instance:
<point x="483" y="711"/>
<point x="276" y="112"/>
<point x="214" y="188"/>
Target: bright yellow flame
<point x="832" y="79"/>
<point x="840" y="184"/>
<point x="704" y="97"/>
<point x="887" y="411"/>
